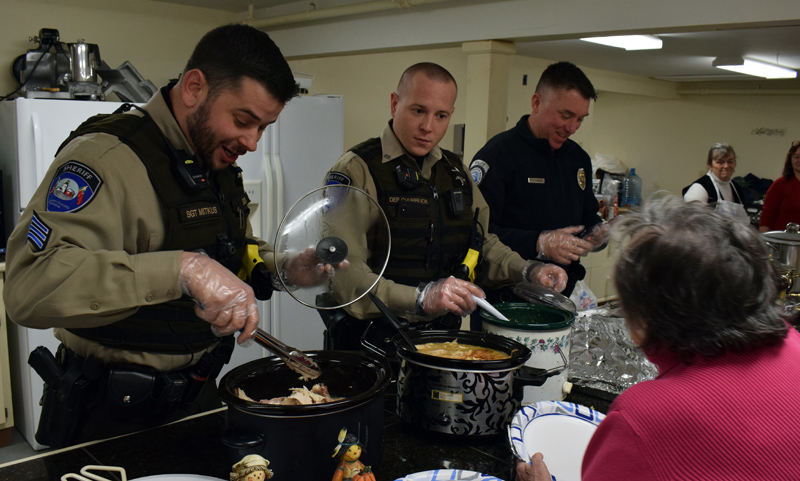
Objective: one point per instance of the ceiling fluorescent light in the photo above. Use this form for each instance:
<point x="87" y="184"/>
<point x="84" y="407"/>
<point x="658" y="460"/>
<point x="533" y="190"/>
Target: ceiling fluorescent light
<point x="628" y="42"/>
<point x="753" y="67"/>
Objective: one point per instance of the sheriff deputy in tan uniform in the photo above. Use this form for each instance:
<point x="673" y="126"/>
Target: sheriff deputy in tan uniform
<point x="131" y="246"/>
<point x="430" y="202"/>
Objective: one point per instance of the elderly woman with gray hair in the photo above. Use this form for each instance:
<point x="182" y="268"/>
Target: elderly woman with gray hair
<point x="699" y="296"/>
<point x="716" y="186"/>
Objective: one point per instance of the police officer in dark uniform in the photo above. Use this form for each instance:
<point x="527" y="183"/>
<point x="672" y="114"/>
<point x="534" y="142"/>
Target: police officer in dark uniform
<point x="432" y="208"/>
<point x="538" y="182"/>
<point x="132" y="269"/>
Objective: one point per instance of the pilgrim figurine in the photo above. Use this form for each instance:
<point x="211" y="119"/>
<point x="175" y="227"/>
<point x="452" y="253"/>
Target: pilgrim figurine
<point x="251" y="468"/>
<point x="350" y="468"/>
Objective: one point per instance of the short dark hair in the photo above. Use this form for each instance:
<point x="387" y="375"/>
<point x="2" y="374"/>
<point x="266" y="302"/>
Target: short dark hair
<point x="699" y="283"/>
<point x="431" y="70"/>
<point x="719" y="150"/>
<point x="229" y="53"/>
<point x="566" y="75"/>
<point x="788" y="170"/>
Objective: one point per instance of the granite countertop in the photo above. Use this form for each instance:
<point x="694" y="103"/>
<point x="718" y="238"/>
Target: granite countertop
<point x="193" y="446"/>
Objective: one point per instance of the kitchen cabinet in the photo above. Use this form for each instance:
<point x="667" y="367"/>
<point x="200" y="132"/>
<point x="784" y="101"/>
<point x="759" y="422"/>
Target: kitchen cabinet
<point x="6" y="410"/>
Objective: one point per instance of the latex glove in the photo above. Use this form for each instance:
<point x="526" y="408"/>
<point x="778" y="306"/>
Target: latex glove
<point x="449" y="295"/>
<point x="536" y="470"/>
<point x="547" y="275"/>
<point x="307" y="270"/>
<point x="221" y="299"/>
<point x="598" y="235"/>
<point x="561" y="245"/>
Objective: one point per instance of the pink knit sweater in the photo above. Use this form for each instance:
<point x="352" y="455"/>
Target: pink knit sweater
<point x="736" y="417"/>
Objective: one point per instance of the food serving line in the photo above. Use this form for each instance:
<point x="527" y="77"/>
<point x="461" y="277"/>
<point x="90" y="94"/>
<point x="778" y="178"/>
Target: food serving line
<point x="194" y="447"/>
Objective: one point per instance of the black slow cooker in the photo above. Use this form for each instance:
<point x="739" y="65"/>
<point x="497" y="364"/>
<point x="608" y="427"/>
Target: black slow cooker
<point x="298" y="440"/>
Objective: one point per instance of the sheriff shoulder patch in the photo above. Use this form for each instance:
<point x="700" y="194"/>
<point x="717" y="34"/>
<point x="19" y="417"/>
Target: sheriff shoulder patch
<point x="74" y="185"/>
<point x="337" y="178"/>
<point x="38" y="233"/>
<point x="478" y="170"/>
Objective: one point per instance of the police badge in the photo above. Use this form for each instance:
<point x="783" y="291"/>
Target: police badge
<point x="582" y="178"/>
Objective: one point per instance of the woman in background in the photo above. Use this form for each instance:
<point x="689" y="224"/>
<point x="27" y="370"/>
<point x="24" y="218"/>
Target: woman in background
<point x="782" y="204"/>
<point x="727" y="361"/>
<point x="716" y="187"/>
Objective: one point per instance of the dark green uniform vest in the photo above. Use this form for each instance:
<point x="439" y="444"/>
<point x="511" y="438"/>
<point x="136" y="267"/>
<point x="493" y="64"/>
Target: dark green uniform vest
<point x="213" y="219"/>
<point x="429" y="219"/>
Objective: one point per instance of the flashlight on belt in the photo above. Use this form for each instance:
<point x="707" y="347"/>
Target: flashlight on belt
<point x="255" y="272"/>
<point x="466" y="270"/>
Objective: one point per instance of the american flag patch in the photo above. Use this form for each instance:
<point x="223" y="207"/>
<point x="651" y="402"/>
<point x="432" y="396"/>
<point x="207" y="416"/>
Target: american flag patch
<point x="38" y="233"/>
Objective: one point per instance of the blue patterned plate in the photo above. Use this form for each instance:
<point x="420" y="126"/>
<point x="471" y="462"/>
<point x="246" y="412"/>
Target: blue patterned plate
<point x="448" y="474"/>
<point x="559" y="430"/>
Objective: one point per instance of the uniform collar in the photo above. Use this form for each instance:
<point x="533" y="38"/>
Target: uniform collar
<point x="159" y="109"/>
<point x="392" y="148"/>
<point x="541" y="145"/>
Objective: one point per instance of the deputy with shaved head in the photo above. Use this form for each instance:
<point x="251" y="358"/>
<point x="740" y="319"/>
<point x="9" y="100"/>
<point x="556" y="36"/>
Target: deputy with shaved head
<point x="430" y="204"/>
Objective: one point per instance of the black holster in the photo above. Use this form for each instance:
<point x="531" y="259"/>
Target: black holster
<point x="67" y="388"/>
<point x="82" y="394"/>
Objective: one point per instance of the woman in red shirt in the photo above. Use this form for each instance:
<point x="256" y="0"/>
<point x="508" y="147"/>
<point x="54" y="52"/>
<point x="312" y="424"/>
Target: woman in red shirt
<point x="782" y="204"/>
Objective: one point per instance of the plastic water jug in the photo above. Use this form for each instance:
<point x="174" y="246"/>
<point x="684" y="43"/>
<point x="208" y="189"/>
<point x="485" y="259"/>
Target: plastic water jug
<point x="631" y="190"/>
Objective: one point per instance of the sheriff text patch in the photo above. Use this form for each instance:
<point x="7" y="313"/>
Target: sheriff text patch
<point x="73" y="187"/>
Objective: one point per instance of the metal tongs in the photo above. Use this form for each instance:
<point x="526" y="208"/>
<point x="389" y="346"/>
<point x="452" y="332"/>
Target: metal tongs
<point x="294" y="358"/>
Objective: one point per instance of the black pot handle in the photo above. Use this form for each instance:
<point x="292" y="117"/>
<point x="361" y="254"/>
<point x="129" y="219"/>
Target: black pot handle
<point x="531" y="376"/>
<point x="242" y="439"/>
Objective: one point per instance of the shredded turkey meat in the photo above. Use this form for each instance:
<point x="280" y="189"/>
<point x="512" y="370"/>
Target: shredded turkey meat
<point x="318" y="394"/>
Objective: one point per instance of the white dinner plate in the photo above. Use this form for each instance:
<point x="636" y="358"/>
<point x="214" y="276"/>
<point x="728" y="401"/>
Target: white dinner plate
<point x="559" y="430"/>
<point x="448" y="474"/>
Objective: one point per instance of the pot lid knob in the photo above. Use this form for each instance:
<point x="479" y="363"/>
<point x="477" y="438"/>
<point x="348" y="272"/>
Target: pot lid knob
<point x="792" y="228"/>
<point x="340" y="223"/>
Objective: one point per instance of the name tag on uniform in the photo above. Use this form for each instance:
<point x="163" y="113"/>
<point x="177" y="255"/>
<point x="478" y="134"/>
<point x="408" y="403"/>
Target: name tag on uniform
<point x="535" y="180"/>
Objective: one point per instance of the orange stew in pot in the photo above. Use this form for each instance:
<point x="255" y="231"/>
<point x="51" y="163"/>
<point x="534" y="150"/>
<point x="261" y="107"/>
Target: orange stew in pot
<point x="467" y="352"/>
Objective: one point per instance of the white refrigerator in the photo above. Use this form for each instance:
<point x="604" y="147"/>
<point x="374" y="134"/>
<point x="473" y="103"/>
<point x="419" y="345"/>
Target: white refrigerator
<point x="292" y="158"/>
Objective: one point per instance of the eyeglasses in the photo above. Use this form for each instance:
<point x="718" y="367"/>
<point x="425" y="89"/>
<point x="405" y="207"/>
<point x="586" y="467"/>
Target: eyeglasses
<point x="795" y="143"/>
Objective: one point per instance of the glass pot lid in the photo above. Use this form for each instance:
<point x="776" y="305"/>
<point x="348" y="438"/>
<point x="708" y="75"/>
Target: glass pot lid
<point x="341" y="223"/>
<point x="538" y="294"/>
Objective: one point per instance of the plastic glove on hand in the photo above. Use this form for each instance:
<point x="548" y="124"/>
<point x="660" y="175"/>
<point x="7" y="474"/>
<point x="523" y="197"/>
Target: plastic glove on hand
<point x="449" y="295"/>
<point x="222" y="299"/>
<point x="536" y="470"/>
<point x="562" y="245"/>
<point x="548" y="275"/>
<point x="307" y="270"/>
<point x="598" y="235"/>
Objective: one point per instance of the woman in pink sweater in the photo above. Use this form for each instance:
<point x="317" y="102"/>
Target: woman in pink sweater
<point x="698" y="292"/>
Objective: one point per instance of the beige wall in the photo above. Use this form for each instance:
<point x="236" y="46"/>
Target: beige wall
<point x="668" y="140"/>
<point x="157" y="38"/>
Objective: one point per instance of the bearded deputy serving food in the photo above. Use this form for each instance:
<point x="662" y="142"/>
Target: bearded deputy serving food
<point x="135" y="269"/>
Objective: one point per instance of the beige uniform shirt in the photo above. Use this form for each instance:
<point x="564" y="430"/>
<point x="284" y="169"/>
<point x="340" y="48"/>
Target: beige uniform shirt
<point x="503" y="265"/>
<point x="102" y="262"/>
